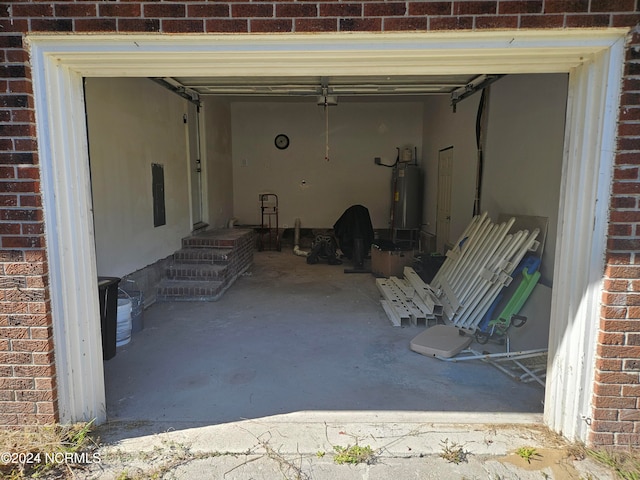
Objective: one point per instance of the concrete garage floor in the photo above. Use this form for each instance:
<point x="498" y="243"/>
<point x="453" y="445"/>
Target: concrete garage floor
<point x="290" y="337"/>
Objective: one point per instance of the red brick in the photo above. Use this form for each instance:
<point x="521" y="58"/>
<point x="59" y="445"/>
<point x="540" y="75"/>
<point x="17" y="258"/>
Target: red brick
<point x="613" y="402"/>
<point x="17" y="407"/>
<point x="32" y="10"/>
<point x="619" y="271"/>
<point x="497" y="22"/>
<point x="227" y="26"/>
<point x="11" y="256"/>
<point x="45" y="384"/>
<point x="613" y="5"/>
<point x="542" y="21"/>
<point x="340" y="9"/>
<point x="633" y="339"/>
<point x="182" y="26"/>
<point x="164" y="10"/>
<point x="14" y="332"/>
<point x="600" y="439"/>
<point x="562" y="6"/>
<point x="23" y="242"/>
<point x="604" y="426"/>
<point x="520" y="6"/>
<point x="4" y="347"/>
<point x="30" y="201"/>
<point x="611" y="338"/>
<point x="626" y="351"/>
<point x="35" y="256"/>
<point x="607" y="390"/>
<point x="15" y="383"/>
<point x="138" y="25"/>
<point x="627" y="439"/>
<point x="630" y="415"/>
<point x="625" y="188"/>
<point x="617" y="377"/>
<point x="430" y="8"/>
<point x="51" y="25"/>
<point x="405" y="24"/>
<point x="624" y="202"/>
<point x="270" y="26"/>
<point x="95" y="25"/>
<point x="41" y="332"/>
<point x="360" y="24"/>
<point x="626" y="173"/>
<point x="624" y="244"/>
<point x="616" y="285"/>
<point x="43" y="358"/>
<point x="251" y="10"/>
<point x="625" y="20"/>
<point x="32" y="371"/>
<point x="24" y="268"/>
<point x="629" y="114"/>
<point x="609" y="365"/>
<point x="296" y="10"/>
<point x="36" y="346"/>
<point x="605" y="414"/>
<point x="23" y="116"/>
<point x="587" y="21"/>
<point x="387" y="9"/>
<point x="208" y="10"/>
<point x="8" y="200"/>
<point x="33" y="396"/>
<point x="450" y="23"/>
<point x="316" y="24"/>
<point x="629" y="143"/>
<point x="629" y="129"/>
<point x="475" y="8"/>
<point x="631" y="390"/>
<point x="631" y="365"/>
<point x="46" y="408"/>
<point x="75" y="10"/>
<point x="120" y="9"/>
<point x="620" y="230"/>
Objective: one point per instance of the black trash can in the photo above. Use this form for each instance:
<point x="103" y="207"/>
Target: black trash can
<point x="108" y="293"/>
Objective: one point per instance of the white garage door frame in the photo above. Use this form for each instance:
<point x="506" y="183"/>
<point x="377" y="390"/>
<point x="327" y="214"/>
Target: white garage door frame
<point x="593" y="58"/>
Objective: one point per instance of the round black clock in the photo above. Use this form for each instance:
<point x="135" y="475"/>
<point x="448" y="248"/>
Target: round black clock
<point x="281" y="141"/>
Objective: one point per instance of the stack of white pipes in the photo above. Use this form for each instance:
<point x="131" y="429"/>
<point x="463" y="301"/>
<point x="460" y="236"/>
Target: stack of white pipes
<point x="478" y="267"/>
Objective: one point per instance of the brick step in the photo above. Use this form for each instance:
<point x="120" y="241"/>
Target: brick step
<point x="204" y="255"/>
<point x="190" y="291"/>
<point x="216" y="238"/>
<point x="198" y="271"/>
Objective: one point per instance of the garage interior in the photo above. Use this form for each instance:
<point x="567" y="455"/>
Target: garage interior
<point x="288" y="336"/>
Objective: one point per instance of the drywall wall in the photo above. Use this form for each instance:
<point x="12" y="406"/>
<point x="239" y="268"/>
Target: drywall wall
<point x="524" y="149"/>
<point x="443" y="129"/>
<point x="308" y="186"/>
<point x="218" y="169"/>
<point x="133" y="123"/>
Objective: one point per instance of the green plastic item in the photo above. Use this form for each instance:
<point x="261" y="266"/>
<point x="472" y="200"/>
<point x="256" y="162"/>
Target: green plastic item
<point x="503" y="322"/>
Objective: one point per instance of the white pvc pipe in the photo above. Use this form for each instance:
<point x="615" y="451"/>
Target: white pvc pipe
<point x="296" y="240"/>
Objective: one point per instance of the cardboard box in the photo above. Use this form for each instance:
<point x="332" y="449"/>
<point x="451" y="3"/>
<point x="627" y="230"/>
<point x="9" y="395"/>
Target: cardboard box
<point x="390" y="263"/>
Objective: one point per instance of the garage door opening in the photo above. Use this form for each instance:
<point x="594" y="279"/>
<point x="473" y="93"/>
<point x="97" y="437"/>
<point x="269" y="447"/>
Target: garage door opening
<point x="134" y="125"/>
<point x="594" y="72"/>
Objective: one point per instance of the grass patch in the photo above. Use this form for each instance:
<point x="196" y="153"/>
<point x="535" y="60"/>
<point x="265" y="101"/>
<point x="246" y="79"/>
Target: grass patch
<point x="527" y="453"/>
<point x="52" y="450"/>
<point x="626" y="465"/>
<point x="353" y="454"/>
<point x="453" y="453"/>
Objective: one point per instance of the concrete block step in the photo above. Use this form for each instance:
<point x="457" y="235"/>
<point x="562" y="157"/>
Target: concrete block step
<point x="216" y="238"/>
<point x="194" y="291"/>
<point x="198" y="271"/>
<point x="204" y="255"/>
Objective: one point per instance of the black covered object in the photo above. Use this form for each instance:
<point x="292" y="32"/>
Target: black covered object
<point x="354" y="224"/>
<point x="108" y="293"/>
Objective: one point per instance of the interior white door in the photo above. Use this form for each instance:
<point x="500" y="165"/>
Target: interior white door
<point x="195" y="164"/>
<point x="443" y="218"/>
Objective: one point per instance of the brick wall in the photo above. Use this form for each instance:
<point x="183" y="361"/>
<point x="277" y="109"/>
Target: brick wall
<point x="616" y="415"/>
<point x="27" y="374"/>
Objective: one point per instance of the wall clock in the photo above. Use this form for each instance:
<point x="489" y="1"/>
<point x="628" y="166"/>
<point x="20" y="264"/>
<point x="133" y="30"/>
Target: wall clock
<point x="281" y="141"/>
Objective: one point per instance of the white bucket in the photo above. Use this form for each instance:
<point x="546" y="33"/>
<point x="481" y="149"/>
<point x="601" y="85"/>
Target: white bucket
<point x="123" y="330"/>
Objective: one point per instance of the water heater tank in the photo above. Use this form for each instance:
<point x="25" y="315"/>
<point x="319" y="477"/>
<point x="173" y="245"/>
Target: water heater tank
<point x="407" y="197"/>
